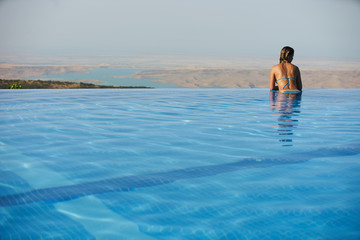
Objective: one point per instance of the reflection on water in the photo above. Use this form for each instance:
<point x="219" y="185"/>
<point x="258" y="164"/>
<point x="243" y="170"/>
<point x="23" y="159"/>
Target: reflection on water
<point x="285" y="107"/>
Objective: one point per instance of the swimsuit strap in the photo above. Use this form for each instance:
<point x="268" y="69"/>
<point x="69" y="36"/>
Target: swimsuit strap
<point x="287" y="78"/>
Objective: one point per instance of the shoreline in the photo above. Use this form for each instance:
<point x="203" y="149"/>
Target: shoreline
<point x="186" y="77"/>
<point x="48" y="84"/>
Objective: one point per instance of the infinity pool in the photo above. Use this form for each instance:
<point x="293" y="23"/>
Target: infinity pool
<point x="179" y="164"/>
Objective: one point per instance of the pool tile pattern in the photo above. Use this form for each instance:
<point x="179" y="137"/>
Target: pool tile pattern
<point x="65" y="193"/>
<point x="38" y="221"/>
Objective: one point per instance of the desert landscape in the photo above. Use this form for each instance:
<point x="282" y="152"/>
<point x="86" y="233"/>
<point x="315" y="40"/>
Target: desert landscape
<point x="194" y="76"/>
<point x="248" y="78"/>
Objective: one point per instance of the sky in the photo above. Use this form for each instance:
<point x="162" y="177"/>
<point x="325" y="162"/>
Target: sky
<point x="326" y="29"/>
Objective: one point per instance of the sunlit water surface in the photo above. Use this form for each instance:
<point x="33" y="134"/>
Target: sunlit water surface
<point x="179" y="164"/>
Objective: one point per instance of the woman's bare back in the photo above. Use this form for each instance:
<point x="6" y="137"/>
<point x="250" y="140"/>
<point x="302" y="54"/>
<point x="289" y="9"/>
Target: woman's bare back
<point x="286" y="76"/>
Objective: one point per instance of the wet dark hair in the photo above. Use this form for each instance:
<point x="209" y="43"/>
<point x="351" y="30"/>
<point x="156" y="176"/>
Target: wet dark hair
<point x="286" y="54"/>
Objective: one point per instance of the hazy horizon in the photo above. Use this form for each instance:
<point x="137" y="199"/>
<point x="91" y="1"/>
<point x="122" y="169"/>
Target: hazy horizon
<point x="322" y="29"/>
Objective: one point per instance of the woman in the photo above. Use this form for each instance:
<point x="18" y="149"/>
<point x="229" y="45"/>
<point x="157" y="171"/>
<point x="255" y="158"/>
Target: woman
<point x="285" y="76"/>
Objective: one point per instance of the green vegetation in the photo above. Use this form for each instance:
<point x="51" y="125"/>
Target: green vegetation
<point x="15" y="85"/>
<point x="36" y="84"/>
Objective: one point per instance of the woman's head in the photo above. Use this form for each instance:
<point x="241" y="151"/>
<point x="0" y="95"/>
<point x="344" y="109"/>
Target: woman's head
<point x="286" y="54"/>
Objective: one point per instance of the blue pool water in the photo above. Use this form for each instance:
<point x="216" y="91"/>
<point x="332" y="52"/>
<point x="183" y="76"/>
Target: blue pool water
<point x="109" y="77"/>
<point x="179" y="164"/>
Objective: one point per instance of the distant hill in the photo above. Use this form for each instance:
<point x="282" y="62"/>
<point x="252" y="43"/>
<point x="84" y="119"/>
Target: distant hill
<point x="38" y="84"/>
<point x="248" y="78"/>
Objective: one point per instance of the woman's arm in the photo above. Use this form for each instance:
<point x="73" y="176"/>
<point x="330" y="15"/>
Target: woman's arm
<point x="273" y="80"/>
<point x="298" y="79"/>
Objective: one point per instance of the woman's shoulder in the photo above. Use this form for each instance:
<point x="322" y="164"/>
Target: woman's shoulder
<point x="294" y="66"/>
<point x="276" y="66"/>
